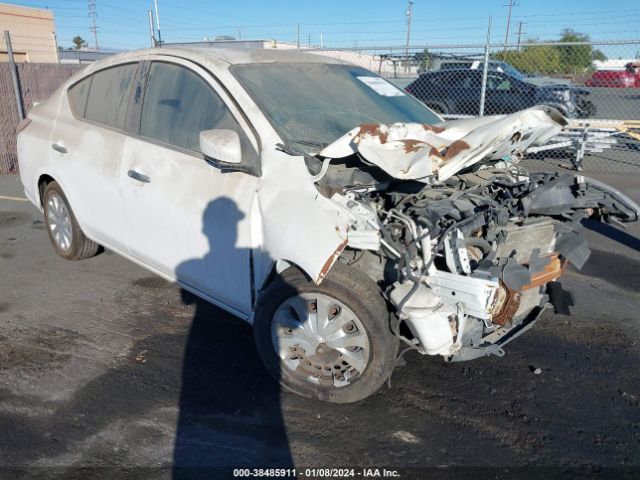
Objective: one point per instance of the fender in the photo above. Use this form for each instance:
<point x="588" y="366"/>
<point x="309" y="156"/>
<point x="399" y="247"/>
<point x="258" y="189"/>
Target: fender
<point x="286" y="202"/>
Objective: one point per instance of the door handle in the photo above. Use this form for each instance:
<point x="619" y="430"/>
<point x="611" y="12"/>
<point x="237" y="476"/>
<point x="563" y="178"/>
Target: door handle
<point x="139" y="176"/>
<point x="59" y="148"/>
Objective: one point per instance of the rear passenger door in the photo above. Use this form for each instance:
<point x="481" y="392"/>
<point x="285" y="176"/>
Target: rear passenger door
<point x="87" y="144"/>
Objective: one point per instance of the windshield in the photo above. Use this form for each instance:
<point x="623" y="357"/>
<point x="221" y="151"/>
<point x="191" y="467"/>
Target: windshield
<point x="313" y="104"/>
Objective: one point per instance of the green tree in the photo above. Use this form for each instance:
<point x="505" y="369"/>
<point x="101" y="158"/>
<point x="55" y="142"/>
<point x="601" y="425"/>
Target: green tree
<point x="533" y="59"/>
<point x="79" y="42"/>
<point x="554" y="59"/>
<point x="423" y="60"/>
<point x="598" y="55"/>
<point x="576" y="58"/>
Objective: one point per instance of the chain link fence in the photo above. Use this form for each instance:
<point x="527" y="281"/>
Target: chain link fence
<point x="595" y="85"/>
<point x="37" y="81"/>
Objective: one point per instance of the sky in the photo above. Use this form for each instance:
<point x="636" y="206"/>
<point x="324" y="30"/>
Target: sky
<point x="123" y="24"/>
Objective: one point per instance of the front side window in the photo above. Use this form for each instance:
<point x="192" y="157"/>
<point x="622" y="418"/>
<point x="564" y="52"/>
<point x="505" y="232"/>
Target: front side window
<point x="498" y="82"/>
<point x="179" y="104"/>
<point x="109" y="95"/>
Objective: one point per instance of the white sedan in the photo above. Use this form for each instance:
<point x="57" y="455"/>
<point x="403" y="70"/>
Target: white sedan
<point x="315" y="200"/>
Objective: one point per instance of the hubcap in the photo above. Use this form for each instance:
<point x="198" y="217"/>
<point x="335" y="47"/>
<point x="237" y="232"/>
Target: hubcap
<point x="320" y="339"/>
<point x="59" y="221"/>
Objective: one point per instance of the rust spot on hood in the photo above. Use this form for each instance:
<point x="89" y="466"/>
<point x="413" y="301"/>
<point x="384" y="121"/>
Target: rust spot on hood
<point x="373" y="129"/>
<point x="411" y="146"/>
<point x="451" y="151"/>
<point x="455" y="148"/>
<point x="433" y="128"/>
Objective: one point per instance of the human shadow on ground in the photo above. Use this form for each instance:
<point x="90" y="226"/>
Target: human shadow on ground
<point x="229" y="406"/>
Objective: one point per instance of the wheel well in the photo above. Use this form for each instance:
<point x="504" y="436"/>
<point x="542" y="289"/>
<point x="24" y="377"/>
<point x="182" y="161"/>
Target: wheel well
<point x="43" y="181"/>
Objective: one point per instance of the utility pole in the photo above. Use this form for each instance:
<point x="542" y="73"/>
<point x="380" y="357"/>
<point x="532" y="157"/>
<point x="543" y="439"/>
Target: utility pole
<point x="152" y="30"/>
<point x="406" y="52"/>
<point x="519" y="34"/>
<point x="15" y="79"/>
<point x="55" y="43"/>
<point x="159" y="39"/>
<point x="298" y="36"/>
<point x="512" y="3"/>
<point x="93" y="14"/>
<point x="485" y="69"/>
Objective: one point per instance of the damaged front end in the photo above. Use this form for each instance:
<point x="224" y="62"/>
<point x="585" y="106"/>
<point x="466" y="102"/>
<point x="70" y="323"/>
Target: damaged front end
<point x="465" y="245"/>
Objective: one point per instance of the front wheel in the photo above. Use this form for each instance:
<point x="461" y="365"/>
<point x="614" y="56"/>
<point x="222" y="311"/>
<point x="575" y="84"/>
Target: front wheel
<point x="331" y="341"/>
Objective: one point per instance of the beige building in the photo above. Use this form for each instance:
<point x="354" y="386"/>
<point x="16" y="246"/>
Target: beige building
<point x="32" y="33"/>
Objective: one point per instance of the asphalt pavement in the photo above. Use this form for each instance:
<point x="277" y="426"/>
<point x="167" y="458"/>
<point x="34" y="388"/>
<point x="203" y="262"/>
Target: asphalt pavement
<point x="104" y="366"/>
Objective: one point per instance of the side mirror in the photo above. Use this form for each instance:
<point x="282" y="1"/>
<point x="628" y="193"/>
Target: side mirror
<point x="221" y="146"/>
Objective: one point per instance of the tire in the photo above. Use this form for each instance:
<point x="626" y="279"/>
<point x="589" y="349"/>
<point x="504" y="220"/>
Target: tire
<point x="356" y="373"/>
<point x="587" y="109"/>
<point x="63" y="229"/>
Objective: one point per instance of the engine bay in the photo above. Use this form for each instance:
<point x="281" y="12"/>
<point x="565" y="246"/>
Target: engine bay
<point x="469" y="263"/>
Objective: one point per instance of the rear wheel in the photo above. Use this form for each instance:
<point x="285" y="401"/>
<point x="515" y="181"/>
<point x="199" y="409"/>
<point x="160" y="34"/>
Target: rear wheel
<point x="64" y="232"/>
<point x="331" y="341"/>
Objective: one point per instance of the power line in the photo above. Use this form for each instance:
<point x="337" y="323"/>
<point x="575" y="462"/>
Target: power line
<point x="93" y="14"/>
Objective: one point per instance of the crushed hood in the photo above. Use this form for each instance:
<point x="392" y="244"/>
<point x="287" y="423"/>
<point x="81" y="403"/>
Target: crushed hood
<point x="414" y="151"/>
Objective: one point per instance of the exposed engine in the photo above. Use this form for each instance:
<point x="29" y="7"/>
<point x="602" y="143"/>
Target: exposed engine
<point x="470" y="263"/>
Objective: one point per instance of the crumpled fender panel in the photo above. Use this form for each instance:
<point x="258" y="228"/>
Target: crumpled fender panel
<point x="296" y="223"/>
<point x="411" y="151"/>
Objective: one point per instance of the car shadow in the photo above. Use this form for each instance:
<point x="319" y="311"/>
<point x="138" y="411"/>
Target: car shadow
<point x="229" y="405"/>
<point x="613" y="233"/>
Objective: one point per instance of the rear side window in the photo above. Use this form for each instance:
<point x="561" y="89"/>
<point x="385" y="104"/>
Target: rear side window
<point x="78" y="96"/>
<point x="179" y="104"/>
<point x="103" y="96"/>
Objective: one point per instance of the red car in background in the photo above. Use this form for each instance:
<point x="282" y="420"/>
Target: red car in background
<point x="627" y="78"/>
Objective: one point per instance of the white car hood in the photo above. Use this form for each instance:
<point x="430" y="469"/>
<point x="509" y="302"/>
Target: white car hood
<point x="414" y="151"/>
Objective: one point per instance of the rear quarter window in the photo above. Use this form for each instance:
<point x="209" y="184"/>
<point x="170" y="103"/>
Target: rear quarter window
<point x="78" y="94"/>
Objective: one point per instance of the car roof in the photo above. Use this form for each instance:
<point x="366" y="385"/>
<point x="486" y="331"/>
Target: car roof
<point x="229" y="56"/>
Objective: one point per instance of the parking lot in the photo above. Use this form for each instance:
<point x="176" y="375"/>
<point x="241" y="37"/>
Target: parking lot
<point x="103" y="364"/>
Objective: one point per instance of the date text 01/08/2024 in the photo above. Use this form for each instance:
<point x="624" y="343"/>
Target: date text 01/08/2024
<point x="315" y="473"/>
